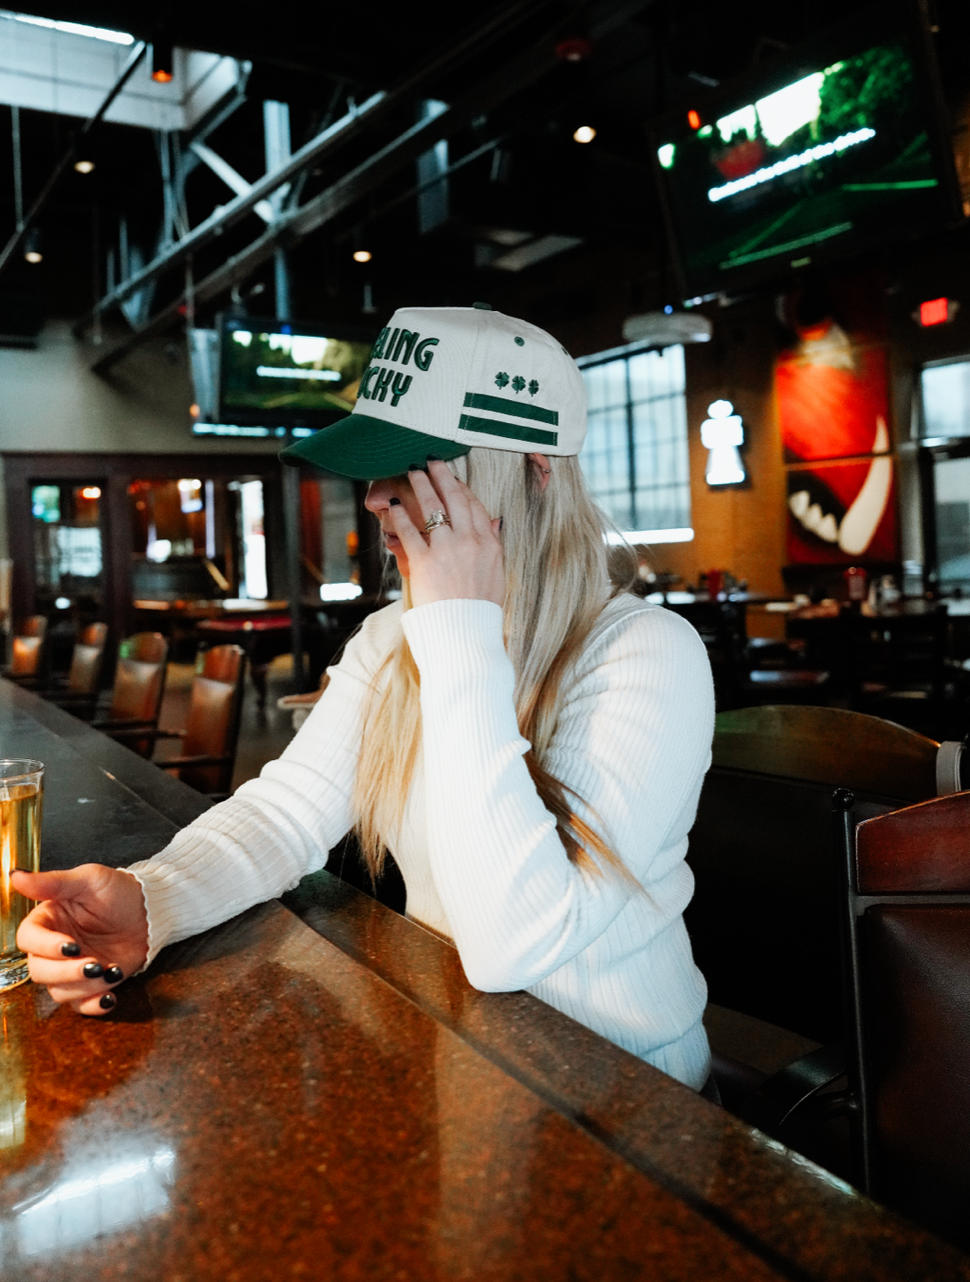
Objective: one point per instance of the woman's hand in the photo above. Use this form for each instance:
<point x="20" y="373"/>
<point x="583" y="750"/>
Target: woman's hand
<point x="460" y="560"/>
<point x="87" y="934"/>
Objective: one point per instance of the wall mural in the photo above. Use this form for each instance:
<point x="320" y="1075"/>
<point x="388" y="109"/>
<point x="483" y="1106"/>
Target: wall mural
<point x="831" y="387"/>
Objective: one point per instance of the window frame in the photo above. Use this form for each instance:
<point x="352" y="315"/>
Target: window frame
<point x="634" y="485"/>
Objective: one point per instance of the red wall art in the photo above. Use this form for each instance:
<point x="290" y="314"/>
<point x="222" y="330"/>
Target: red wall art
<point x="832" y="396"/>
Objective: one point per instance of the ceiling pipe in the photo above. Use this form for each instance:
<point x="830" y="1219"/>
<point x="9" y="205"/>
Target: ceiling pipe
<point x="67" y="159"/>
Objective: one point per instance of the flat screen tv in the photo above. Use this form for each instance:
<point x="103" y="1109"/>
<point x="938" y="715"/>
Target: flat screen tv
<point x="830" y="152"/>
<point x="277" y="374"/>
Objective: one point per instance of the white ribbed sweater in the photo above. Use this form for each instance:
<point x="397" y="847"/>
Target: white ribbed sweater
<point x="478" y="851"/>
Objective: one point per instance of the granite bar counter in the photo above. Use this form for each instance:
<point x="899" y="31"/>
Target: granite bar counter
<point x="314" y="1090"/>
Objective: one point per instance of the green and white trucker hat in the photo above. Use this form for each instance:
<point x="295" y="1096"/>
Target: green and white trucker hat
<point x="442" y="379"/>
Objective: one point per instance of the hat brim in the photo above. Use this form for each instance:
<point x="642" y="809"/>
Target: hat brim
<point x="367" y="448"/>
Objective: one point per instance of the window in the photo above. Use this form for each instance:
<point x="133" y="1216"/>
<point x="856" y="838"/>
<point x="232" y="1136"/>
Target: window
<point x="946" y="399"/>
<point x="635" y="456"/>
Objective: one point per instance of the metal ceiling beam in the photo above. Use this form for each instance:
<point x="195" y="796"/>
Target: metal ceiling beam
<point x="340" y="132"/>
<point x="68" y="158"/>
<point x="235" y="181"/>
<point x="329" y="140"/>
<point x="297" y="223"/>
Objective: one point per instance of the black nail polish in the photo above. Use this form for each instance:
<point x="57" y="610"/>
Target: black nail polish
<point x="415" y="467"/>
<point x="114" y="975"/>
<point x="70" y="950"/>
<point x="93" y="970"/>
<point x="394" y="502"/>
<point x="501" y="522"/>
<point x="107" y="1001"/>
<point x="435" y="458"/>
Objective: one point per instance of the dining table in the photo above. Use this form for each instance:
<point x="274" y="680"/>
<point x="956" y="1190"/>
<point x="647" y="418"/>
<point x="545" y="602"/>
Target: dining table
<point x="314" y="1090"/>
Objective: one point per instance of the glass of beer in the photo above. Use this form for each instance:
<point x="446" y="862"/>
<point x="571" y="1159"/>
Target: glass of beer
<point x="21" y="798"/>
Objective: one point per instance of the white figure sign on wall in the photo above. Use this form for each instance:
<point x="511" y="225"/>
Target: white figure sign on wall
<point x="721" y="434"/>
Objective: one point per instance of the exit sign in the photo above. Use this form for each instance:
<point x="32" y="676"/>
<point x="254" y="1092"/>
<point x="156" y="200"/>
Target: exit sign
<point x="937" y="311"/>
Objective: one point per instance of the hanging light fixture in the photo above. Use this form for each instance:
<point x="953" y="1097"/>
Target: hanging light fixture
<point x="585" y="133"/>
<point x="162" y="61"/>
<point x="32" y="246"/>
<point x="84" y="166"/>
<point x="362" y="255"/>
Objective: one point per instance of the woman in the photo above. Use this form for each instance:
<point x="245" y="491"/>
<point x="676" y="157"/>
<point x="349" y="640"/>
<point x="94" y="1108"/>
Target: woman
<point x="529" y="744"/>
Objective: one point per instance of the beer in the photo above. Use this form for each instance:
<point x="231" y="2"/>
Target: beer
<point x="21" y="796"/>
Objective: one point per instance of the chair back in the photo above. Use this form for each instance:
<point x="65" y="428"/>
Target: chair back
<point x="215" y="707"/>
<point x="221" y="663"/>
<point x="144" y="647"/>
<point x="909" y="966"/>
<point x="85" y="670"/>
<point x="137" y="693"/>
<point x="764" y="920"/>
<point x="138" y="689"/>
<point x="87" y="660"/>
<point x="95" y="634"/>
<point x="27" y="657"/>
<point x="28" y="651"/>
<point x="35" y="626"/>
<point x="829" y="746"/>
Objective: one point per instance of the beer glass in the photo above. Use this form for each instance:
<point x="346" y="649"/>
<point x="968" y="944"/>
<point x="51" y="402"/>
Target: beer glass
<point x="21" y="797"/>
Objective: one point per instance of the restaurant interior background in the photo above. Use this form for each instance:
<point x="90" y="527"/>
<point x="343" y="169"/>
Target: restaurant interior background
<point x="527" y="159"/>
<point x="749" y="223"/>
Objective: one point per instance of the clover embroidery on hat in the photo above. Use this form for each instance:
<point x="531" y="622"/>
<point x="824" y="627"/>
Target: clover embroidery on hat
<point x="518" y="383"/>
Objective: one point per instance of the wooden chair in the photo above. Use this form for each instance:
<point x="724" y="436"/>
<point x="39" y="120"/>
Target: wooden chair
<point x="79" y="693"/>
<point x="907" y="931"/>
<point x="764" y="921"/>
<point x="144" y="647"/>
<point x="764" y="917"/>
<point x="137" y="694"/>
<point x="210" y="737"/>
<point x="29" y="653"/>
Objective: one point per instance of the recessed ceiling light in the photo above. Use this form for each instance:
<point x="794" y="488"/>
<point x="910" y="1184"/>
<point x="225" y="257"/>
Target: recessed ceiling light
<point x="84" y="166"/>
<point x="362" y="255"/>
<point x="585" y="133"/>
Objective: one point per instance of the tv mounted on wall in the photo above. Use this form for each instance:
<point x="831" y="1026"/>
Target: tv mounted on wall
<point x="276" y="373"/>
<point x="824" y="154"/>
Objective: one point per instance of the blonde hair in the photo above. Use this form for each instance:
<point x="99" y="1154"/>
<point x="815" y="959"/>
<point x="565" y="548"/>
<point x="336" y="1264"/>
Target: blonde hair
<point x="557" y="582"/>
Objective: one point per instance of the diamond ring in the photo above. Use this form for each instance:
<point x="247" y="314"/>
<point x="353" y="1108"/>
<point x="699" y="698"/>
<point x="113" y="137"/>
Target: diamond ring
<point x="438" y="517"/>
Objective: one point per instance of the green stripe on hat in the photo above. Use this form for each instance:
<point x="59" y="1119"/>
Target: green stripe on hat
<point x="517" y="409"/>
<point x="511" y="431"/>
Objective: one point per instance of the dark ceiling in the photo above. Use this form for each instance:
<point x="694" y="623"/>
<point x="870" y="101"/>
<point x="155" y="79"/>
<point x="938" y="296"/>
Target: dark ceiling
<point x="652" y="58"/>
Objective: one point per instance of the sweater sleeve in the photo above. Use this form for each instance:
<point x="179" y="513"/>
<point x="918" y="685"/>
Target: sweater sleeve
<point x="633" y="743"/>
<point x="276" y="828"/>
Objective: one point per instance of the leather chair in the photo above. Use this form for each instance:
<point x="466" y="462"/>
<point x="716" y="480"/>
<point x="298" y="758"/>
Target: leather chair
<point x="29" y="653"/>
<point x="907" y="933"/>
<point x="79" y="693"/>
<point x="764" y="920"/>
<point x="137" y="694"/>
<point x="208" y="749"/>
<point x="764" y="917"/>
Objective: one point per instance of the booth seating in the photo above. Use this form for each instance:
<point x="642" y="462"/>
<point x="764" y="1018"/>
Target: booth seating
<point x="137" y="694"/>
<point x="211" y="734"/>
<point x="907" y="933"/>
<point x="764" y="920"/>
